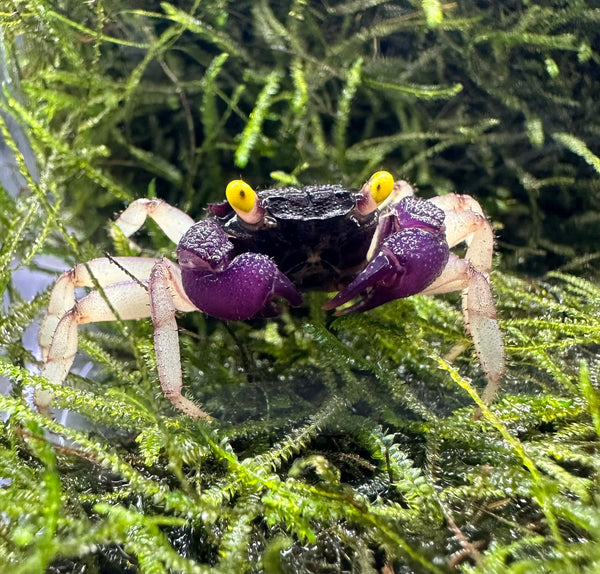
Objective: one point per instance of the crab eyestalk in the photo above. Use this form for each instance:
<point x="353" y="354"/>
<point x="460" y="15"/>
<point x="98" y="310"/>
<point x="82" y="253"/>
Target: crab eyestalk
<point x="244" y="201"/>
<point x="375" y="191"/>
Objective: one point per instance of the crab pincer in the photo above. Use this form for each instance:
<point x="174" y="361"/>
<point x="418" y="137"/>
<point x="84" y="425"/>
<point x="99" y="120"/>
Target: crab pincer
<point x="233" y="289"/>
<point x="411" y="254"/>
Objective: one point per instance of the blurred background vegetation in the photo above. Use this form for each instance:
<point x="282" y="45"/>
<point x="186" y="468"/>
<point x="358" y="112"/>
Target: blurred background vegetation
<point x="341" y="445"/>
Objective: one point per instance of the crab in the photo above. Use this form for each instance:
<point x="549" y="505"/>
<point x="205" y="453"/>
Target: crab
<point x="258" y="249"/>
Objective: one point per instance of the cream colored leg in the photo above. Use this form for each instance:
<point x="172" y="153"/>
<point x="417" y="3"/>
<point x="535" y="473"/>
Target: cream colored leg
<point x="466" y="222"/>
<point x="166" y="297"/>
<point x="124" y="281"/>
<point x="104" y="271"/>
<point x="129" y="299"/>
<point x="163" y="296"/>
<point x="171" y="220"/>
<point x="479" y="316"/>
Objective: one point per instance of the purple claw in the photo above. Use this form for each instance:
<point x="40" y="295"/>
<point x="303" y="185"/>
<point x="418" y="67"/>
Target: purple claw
<point x="408" y="260"/>
<point x="233" y="290"/>
<point x="373" y="282"/>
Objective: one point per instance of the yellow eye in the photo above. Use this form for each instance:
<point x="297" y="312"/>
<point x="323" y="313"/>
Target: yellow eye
<point x="244" y="201"/>
<point x="240" y="196"/>
<point x="381" y="184"/>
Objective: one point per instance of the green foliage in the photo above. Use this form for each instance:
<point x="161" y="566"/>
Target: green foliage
<point x="341" y="444"/>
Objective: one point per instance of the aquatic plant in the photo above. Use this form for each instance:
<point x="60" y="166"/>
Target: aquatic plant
<point x="342" y="444"/>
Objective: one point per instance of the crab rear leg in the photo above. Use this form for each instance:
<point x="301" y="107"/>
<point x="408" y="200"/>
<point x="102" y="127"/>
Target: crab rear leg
<point x="171" y="220"/>
<point x="104" y="271"/>
<point x="479" y="314"/>
<point x="129" y="299"/>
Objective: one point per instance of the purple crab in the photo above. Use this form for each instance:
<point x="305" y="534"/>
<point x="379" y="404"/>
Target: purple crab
<point x="256" y="250"/>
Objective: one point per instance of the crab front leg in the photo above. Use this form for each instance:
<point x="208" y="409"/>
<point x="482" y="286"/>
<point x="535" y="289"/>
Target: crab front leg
<point x="167" y="296"/>
<point x="159" y="295"/>
<point x="411" y="255"/>
<point x="466" y="222"/>
<point x="479" y="314"/>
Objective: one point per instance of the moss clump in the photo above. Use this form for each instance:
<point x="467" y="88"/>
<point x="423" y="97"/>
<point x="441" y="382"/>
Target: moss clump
<point x="341" y="445"/>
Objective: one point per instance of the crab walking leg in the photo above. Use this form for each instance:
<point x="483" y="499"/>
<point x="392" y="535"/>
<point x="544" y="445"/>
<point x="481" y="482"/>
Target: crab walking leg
<point x="166" y="297"/>
<point x="171" y="220"/>
<point x="129" y="299"/>
<point x="479" y="314"/>
<point x="466" y="222"/>
<point x="105" y="271"/>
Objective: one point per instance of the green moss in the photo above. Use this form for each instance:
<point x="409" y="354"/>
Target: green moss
<point x="341" y="444"/>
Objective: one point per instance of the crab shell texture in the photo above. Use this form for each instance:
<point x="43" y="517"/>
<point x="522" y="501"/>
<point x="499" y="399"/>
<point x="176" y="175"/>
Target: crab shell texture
<point x="255" y="250"/>
<point x="316" y="239"/>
